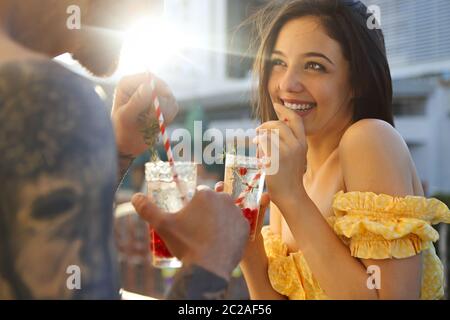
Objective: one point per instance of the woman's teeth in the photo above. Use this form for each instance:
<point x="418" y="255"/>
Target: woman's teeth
<point x="301" y="107"/>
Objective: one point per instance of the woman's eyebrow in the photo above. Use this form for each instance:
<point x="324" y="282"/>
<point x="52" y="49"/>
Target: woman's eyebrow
<point x="318" y="54"/>
<point x="307" y="54"/>
<point x="278" y="52"/>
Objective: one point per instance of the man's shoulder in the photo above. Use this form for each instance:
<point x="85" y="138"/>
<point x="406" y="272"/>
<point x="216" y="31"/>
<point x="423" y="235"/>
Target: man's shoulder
<point x="48" y="113"/>
<point x="34" y="74"/>
<point x="40" y="86"/>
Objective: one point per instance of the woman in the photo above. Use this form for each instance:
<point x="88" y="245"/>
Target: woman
<point x="346" y="199"/>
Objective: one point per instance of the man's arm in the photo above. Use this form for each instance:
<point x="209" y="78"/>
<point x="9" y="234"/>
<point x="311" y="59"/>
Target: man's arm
<point x="196" y="283"/>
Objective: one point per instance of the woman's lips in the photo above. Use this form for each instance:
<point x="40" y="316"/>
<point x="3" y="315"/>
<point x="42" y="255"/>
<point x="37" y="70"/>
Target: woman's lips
<point x="305" y="112"/>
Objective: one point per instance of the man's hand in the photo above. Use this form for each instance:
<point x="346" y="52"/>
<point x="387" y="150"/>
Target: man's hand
<point x="133" y="112"/>
<point x="210" y="231"/>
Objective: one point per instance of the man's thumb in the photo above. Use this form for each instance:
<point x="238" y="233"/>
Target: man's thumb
<point x="147" y="210"/>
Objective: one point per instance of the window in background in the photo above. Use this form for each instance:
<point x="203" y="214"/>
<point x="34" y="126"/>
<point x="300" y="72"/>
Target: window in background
<point x="409" y="106"/>
<point x="239" y="60"/>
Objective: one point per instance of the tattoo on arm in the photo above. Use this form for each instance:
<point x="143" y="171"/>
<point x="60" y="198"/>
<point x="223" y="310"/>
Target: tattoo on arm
<point x="195" y="283"/>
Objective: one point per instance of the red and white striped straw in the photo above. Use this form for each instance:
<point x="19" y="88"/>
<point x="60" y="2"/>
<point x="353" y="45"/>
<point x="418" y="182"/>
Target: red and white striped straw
<point x="249" y="188"/>
<point x="165" y="137"/>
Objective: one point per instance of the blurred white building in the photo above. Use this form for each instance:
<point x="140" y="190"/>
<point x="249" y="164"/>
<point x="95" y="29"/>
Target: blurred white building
<point x="417" y="36"/>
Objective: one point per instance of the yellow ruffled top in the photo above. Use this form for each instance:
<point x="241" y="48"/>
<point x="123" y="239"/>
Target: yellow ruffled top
<point x="374" y="227"/>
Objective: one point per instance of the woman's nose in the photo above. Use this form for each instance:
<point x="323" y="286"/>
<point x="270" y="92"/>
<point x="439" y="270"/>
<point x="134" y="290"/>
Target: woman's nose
<point x="291" y="81"/>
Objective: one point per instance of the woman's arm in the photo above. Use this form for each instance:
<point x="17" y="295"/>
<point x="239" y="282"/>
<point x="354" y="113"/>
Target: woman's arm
<point x="374" y="158"/>
<point x="340" y="275"/>
<point x="254" y="264"/>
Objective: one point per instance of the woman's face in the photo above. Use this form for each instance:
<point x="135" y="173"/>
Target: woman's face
<point x="310" y="75"/>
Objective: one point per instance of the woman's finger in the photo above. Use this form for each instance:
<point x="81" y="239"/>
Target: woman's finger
<point x="219" y="186"/>
<point x="292" y="120"/>
<point x="274" y="127"/>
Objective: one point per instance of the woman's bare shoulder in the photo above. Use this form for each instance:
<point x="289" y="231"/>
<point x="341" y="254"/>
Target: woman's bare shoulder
<point x="371" y="129"/>
<point x="374" y="157"/>
<point x="373" y="135"/>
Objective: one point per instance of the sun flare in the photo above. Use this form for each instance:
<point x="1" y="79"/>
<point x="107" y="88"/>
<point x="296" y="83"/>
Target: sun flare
<point x="150" y="44"/>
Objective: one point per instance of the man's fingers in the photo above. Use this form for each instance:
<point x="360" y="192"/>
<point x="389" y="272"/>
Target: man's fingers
<point x="141" y="99"/>
<point x="292" y="120"/>
<point x="128" y="85"/>
<point x="137" y="96"/>
<point x="147" y="210"/>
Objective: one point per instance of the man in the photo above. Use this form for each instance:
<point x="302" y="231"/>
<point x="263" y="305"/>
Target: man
<point x="58" y="161"/>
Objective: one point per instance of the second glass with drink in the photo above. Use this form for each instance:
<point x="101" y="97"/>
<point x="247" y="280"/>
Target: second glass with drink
<point x="240" y="173"/>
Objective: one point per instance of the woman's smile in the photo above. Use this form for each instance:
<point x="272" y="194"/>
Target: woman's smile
<point x="302" y="108"/>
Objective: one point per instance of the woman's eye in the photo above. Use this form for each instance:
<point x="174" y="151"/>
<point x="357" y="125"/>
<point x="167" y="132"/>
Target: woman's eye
<point x="314" y="66"/>
<point x="277" y="62"/>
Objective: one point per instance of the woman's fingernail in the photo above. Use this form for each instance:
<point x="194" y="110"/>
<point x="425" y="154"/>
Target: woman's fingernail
<point x="286" y="120"/>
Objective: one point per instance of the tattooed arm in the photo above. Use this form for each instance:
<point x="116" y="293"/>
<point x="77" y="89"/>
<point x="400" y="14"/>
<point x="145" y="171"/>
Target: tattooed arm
<point x="196" y="283"/>
<point x="58" y="174"/>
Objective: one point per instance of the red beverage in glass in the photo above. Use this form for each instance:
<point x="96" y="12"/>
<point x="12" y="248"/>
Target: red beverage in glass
<point x="239" y="173"/>
<point x="157" y="245"/>
<point x="252" y="216"/>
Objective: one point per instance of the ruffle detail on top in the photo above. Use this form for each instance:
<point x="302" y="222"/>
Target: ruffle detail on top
<point x="289" y="274"/>
<point x="383" y="226"/>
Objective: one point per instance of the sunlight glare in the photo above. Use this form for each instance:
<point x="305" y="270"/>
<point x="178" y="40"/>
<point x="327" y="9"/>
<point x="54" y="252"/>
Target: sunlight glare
<point x="149" y="45"/>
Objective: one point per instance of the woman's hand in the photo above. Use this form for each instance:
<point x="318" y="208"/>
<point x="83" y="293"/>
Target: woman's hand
<point x="289" y="151"/>
<point x="133" y="114"/>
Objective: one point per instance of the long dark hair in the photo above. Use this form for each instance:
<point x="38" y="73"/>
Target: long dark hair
<point x="346" y="22"/>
